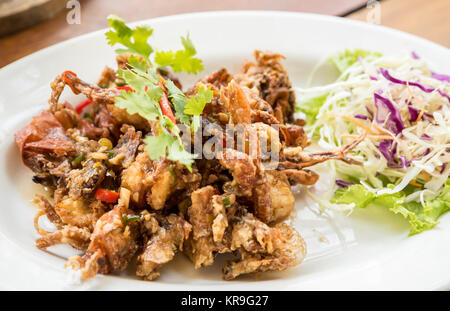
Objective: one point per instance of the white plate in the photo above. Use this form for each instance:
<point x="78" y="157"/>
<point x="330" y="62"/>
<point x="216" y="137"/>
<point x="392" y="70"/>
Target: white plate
<point x="369" y="250"/>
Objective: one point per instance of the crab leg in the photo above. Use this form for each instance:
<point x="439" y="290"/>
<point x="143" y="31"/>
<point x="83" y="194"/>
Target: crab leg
<point x="299" y="160"/>
<point x="94" y="92"/>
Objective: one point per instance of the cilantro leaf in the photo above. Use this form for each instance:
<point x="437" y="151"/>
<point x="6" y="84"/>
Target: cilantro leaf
<point x="167" y="146"/>
<point x="137" y="103"/>
<point x="178" y="100"/>
<point x="144" y="100"/>
<point x="156" y="146"/>
<point x="134" y="40"/>
<point x="196" y="103"/>
<point x="176" y="152"/>
<point x="186" y="107"/>
<point x="139" y="65"/>
<point x="138" y="82"/>
<point x="143" y="79"/>
<point x="181" y="60"/>
<point x="188" y="45"/>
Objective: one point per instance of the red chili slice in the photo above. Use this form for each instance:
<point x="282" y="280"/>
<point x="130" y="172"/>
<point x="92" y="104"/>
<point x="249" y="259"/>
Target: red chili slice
<point x="165" y="104"/>
<point x="106" y="196"/>
<point x="83" y="105"/>
<point x="125" y="88"/>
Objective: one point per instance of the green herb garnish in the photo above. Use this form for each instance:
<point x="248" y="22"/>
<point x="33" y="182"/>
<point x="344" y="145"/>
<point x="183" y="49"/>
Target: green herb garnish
<point x="226" y="201"/>
<point x="127" y="218"/>
<point x="78" y="160"/>
<point x="196" y="104"/>
<point x="87" y="116"/>
<point x="182" y="60"/>
<point x="172" y="171"/>
<point x="143" y="78"/>
<point x="135" y="42"/>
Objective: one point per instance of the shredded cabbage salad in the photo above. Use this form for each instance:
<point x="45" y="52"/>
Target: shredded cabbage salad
<point x="403" y="109"/>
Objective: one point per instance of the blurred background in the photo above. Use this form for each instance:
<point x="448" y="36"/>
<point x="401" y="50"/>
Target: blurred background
<point x="27" y="26"/>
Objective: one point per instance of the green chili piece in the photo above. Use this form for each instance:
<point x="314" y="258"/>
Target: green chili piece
<point x="226" y="201"/>
<point x="172" y="171"/>
<point x="78" y="160"/>
<point x="127" y="218"/>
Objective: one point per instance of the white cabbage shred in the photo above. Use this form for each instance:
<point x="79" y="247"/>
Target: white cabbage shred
<point x="423" y="146"/>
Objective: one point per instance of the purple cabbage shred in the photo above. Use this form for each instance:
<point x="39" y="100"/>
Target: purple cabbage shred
<point x="343" y="183"/>
<point x="388" y="150"/>
<point x="370" y="112"/>
<point x="387" y="112"/>
<point x="440" y="77"/>
<point x="443" y="168"/>
<point x="361" y="116"/>
<point x="427" y="151"/>
<point x="414" y="113"/>
<point x="387" y="75"/>
<point x="426" y="137"/>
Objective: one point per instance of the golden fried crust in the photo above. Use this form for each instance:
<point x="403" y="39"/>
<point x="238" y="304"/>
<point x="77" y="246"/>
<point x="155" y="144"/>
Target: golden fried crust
<point x="242" y="169"/>
<point x="112" y="245"/>
<point x="263" y="248"/>
<point x="200" y="247"/>
<point x="270" y="79"/>
<point x="162" y="246"/>
<point x="208" y="218"/>
<point x="282" y="199"/>
<point x="236" y="102"/>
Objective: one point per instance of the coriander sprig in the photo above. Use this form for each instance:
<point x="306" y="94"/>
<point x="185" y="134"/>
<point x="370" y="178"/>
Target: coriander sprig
<point x="148" y="89"/>
<point x="135" y="42"/>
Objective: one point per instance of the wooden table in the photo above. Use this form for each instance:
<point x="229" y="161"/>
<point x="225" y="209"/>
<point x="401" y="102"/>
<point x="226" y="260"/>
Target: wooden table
<point x="429" y="19"/>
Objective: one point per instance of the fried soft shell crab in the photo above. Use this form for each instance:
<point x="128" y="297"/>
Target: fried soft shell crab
<point x="112" y="202"/>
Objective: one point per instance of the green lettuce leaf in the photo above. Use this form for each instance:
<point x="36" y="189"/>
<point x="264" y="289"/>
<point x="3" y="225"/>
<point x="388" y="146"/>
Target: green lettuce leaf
<point x="311" y="106"/>
<point x="420" y="218"/>
<point x="346" y="58"/>
<point x="356" y="194"/>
